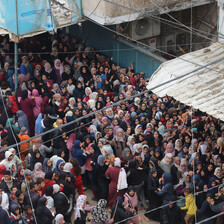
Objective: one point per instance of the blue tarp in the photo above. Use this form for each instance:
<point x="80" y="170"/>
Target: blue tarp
<point x="35" y="16"/>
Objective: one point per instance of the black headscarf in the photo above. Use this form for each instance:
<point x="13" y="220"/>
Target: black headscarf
<point x="24" y="94"/>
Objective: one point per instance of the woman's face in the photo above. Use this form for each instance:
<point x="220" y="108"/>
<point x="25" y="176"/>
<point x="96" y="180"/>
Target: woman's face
<point x="72" y="102"/>
<point x="38" y="155"/>
<point x="219" y="173"/>
<point x="179" y="144"/>
<point x="131" y="193"/>
<point x="210" y="167"/>
<point x="79" y="106"/>
<point x="48" y="163"/>
<point x="100" y="144"/>
<point x="87" y="92"/>
<point x="141" y="138"/>
<point x="121" y="115"/>
<point x="156" y="135"/>
<point x="169" y="149"/>
<point x="128" y="131"/>
<point x="61" y="220"/>
<point x="110" y="112"/>
<point x="119" y="134"/>
<point x="128" y="154"/>
<point x="140" y="129"/>
<point x="55" y="88"/>
<point x="154" y="174"/>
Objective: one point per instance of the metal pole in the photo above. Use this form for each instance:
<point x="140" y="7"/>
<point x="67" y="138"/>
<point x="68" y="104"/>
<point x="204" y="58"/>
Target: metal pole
<point x="15" y="65"/>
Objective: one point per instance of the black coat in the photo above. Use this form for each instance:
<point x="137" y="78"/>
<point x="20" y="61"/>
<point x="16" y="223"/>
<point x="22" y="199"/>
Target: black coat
<point x="4" y="216"/>
<point x="120" y="214"/>
<point x="82" y="219"/>
<point x="34" y="198"/>
<point x="154" y="199"/>
<point x="173" y="214"/>
<point x="5" y="186"/>
<point x="44" y="215"/>
<point x="61" y="203"/>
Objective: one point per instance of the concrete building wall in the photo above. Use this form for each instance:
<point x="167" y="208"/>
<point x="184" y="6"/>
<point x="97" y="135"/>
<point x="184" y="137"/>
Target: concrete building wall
<point x="107" y="13"/>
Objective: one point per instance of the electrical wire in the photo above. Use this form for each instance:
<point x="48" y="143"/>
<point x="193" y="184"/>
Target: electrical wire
<point x="95" y="7"/>
<point x="27" y="187"/>
<point x="165" y="21"/>
<point x="106" y="50"/>
<point x="150" y="47"/>
<point x="210" y="218"/>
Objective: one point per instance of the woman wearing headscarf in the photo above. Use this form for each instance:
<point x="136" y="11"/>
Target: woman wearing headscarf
<point x="101" y="180"/>
<point x="58" y="68"/>
<point x="218" y="175"/>
<point x="119" y="142"/>
<point x="131" y="204"/>
<point x="99" y="213"/>
<point x="23" y="135"/>
<point x="27" y="106"/>
<point x="25" y="70"/>
<point x="10" y="123"/>
<point x="126" y="156"/>
<point x="110" y="114"/>
<point x="178" y="146"/>
<point x="78" y="92"/>
<point x="36" y="158"/>
<point x="38" y="172"/>
<point x="154" y="199"/>
<point x="88" y="91"/>
<point x="81" y="210"/>
<point x="49" y="72"/>
<point x="43" y="214"/>
<point x="109" y="155"/>
<point x="22" y="120"/>
<point x="131" y="143"/>
<point x="170" y="149"/>
<point x="166" y="163"/>
<point x="59" y="219"/>
<point x="38" y="103"/>
<point x="112" y="173"/>
<point x="47" y="166"/>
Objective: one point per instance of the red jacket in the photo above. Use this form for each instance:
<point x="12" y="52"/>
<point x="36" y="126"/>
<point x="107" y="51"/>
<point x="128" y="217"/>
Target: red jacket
<point x="47" y="183"/>
<point x="14" y="107"/>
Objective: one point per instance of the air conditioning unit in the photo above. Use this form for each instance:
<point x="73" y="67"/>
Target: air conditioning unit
<point x="174" y="40"/>
<point x="144" y="28"/>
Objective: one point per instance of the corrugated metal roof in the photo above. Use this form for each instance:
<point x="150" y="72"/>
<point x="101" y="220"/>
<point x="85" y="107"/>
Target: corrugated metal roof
<point x="203" y="89"/>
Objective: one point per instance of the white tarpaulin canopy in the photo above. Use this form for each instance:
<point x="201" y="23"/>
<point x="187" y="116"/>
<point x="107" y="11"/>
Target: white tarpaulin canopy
<point x="203" y="89"/>
<point x="26" y="18"/>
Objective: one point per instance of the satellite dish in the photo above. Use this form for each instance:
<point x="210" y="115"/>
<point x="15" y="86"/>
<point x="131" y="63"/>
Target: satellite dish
<point x="142" y="27"/>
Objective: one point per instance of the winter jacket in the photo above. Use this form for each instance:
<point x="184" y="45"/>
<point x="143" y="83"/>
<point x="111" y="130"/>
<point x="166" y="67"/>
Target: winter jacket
<point x="12" y="182"/>
<point x="13" y="105"/>
<point x="43" y="214"/>
<point x="189" y="205"/>
<point x="61" y="203"/>
<point x="38" y="103"/>
<point x="78" y="153"/>
<point x="168" y="189"/>
<point x="34" y="198"/>
<point x="4" y="216"/>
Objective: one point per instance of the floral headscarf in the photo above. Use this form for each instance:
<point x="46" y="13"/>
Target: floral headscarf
<point x="79" y="205"/>
<point x="99" y="212"/>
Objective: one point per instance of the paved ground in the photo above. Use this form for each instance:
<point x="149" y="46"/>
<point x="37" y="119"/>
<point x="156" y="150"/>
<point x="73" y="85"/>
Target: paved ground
<point x="91" y="202"/>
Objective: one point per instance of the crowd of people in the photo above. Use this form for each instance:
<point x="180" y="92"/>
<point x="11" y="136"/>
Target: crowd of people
<point x="146" y="157"/>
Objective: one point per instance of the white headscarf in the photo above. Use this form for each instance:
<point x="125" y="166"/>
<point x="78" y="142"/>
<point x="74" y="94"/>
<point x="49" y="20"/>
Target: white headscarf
<point x="117" y="162"/>
<point x="79" y="205"/>
<point x="58" y="217"/>
<point x="56" y="188"/>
